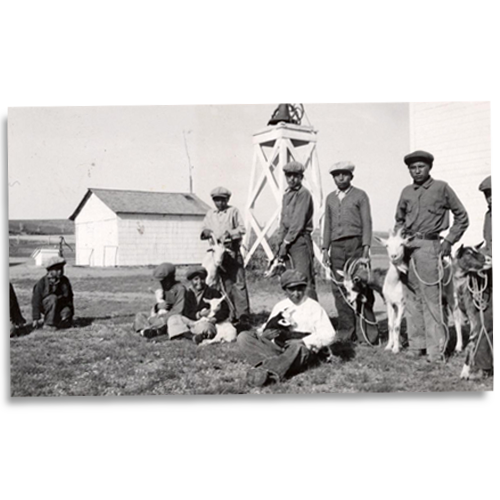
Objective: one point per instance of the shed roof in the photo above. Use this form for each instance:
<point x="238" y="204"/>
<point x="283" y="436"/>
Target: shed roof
<point x="146" y="202"/>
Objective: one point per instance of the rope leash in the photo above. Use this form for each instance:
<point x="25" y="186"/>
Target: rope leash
<point x="439" y="282"/>
<point x="481" y="305"/>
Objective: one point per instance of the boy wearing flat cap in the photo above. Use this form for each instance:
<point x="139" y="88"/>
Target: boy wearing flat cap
<point x="347" y="235"/>
<point x="225" y="224"/>
<point x="480" y="355"/>
<point x="309" y="321"/>
<point x="164" y="317"/>
<point x="197" y="308"/>
<point x="423" y="213"/>
<point x="52" y="300"/>
<point x="296" y="225"/>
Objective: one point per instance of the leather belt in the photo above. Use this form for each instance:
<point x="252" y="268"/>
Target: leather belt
<point x="426" y="236"/>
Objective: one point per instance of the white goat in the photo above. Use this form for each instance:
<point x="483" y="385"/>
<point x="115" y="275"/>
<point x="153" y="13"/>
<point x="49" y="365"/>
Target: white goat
<point x="226" y="332"/>
<point x="393" y="287"/>
<point x="213" y="261"/>
<point x="394" y="293"/>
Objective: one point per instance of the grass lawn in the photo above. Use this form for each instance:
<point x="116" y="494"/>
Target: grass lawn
<point x="102" y="356"/>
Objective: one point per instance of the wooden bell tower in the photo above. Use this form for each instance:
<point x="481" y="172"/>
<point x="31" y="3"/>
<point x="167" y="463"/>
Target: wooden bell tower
<point x="274" y="147"/>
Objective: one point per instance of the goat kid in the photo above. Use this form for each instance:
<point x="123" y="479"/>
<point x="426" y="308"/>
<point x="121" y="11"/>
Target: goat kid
<point x="212" y="261"/>
<point x="276" y="267"/>
<point x="470" y="264"/>
<point x="279" y="328"/>
<point x="225" y="331"/>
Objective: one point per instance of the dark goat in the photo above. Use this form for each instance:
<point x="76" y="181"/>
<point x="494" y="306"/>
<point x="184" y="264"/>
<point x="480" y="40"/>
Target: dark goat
<point x="472" y="280"/>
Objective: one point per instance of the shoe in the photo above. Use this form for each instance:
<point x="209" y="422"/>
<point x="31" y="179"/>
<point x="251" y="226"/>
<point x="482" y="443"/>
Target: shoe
<point x="257" y="377"/>
<point x="148" y="333"/>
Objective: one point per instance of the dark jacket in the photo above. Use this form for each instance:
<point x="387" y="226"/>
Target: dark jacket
<point x="44" y="288"/>
<point x="192" y="306"/>
<point x="296" y="215"/>
<point x="175" y="299"/>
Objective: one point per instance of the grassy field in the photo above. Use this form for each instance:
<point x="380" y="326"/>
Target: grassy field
<point x="102" y="356"/>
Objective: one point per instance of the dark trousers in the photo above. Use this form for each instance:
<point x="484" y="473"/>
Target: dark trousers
<point x="301" y="257"/>
<point x="482" y="354"/>
<point x="56" y="312"/>
<point x="263" y="353"/>
<point x="348" y="322"/>
<point x="235" y="286"/>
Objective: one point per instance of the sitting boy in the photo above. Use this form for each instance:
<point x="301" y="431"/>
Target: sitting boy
<point x="202" y="321"/>
<point x="170" y="300"/>
<point x="53" y="298"/>
<point x="273" y="362"/>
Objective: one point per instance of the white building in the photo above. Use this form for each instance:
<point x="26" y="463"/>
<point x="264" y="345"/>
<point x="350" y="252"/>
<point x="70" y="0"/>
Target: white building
<point x="131" y="228"/>
<point x="43" y="255"/>
<point x="458" y="135"/>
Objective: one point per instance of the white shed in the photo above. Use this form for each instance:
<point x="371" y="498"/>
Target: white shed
<point x="132" y="228"/>
<point x="43" y="255"/>
<point x="458" y="135"/>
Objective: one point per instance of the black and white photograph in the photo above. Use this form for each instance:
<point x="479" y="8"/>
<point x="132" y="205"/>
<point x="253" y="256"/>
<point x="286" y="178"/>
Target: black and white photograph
<point x="250" y="249"/>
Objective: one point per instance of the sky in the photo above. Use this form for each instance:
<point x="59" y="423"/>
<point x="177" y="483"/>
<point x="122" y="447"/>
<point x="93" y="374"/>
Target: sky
<point x="56" y="153"/>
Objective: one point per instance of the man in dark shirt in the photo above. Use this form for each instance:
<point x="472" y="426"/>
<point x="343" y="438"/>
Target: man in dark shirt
<point x="423" y="213"/>
<point x="296" y="225"/>
<point x="53" y="298"/>
<point x="170" y="301"/>
<point x="347" y="235"/>
<point x="485" y="187"/>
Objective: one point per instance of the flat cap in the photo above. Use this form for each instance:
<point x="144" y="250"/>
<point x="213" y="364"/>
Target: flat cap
<point x="419" y="156"/>
<point x="342" y="166"/>
<point x="196" y="271"/>
<point x="294" y="167"/>
<point x="220" y="192"/>
<point x="292" y="277"/>
<point x="486" y="184"/>
<point x="165" y="270"/>
<point x="54" y="262"/>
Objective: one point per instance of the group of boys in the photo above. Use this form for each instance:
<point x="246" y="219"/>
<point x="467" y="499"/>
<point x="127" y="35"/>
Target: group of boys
<point x="423" y="212"/>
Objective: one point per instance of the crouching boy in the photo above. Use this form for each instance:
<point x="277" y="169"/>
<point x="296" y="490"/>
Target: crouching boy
<point x="166" y="312"/>
<point x="53" y="298"/>
<point x="271" y="361"/>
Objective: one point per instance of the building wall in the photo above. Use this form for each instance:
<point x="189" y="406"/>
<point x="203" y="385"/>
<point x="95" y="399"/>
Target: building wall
<point x="96" y="234"/>
<point x="153" y="239"/>
<point x="458" y="135"/>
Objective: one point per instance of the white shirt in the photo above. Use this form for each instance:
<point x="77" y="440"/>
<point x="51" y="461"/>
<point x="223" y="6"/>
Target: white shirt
<point x="309" y="317"/>
<point x="342" y="194"/>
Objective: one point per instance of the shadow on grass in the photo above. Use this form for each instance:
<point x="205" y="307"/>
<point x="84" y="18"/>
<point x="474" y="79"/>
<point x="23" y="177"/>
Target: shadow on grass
<point x="80" y="322"/>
